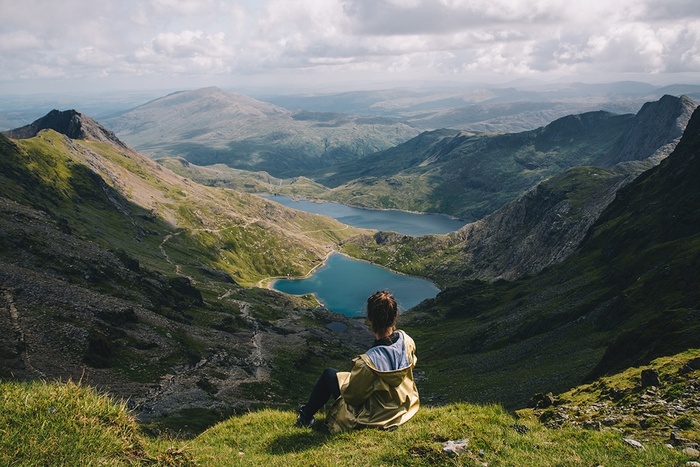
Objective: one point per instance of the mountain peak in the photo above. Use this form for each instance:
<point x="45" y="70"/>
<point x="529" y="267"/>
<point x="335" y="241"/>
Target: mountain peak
<point x="71" y="123"/>
<point x="655" y="127"/>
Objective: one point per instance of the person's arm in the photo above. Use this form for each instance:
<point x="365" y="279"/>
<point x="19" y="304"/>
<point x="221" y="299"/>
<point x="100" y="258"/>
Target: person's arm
<point x="360" y="385"/>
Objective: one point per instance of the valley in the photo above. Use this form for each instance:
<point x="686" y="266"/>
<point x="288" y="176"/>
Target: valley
<point x="140" y="275"/>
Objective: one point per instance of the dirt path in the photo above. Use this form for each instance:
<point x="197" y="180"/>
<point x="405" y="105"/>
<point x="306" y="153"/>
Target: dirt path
<point x="21" y="343"/>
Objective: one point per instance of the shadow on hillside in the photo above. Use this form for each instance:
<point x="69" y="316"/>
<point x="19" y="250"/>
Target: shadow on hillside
<point x="296" y="442"/>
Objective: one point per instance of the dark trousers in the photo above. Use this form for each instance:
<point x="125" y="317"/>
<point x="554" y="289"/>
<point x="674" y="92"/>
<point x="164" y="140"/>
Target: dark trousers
<point x="326" y="386"/>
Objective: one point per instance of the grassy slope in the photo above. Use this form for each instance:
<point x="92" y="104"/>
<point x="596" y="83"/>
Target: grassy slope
<point x="69" y="424"/>
<point x="243" y="235"/>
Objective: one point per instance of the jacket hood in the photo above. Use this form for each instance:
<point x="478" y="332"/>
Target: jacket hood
<point x="391" y="362"/>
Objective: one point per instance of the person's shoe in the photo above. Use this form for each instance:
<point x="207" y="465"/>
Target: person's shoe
<point x="304" y="420"/>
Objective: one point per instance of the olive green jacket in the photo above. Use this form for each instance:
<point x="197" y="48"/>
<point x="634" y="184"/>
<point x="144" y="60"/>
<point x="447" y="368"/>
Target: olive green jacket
<point x="379" y="391"/>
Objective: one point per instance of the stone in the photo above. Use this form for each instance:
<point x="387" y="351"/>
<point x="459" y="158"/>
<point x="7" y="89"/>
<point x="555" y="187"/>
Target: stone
<point x="650" y="377"/>
<point x="692" y="452"/>
<point x="634" y="444"/>
<point x="455" y="448"/>
<point x="542" y="401"/>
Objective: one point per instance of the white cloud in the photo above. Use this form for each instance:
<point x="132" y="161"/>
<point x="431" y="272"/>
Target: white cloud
<point x="83" y="38"/>
<point x="19" y="42"/>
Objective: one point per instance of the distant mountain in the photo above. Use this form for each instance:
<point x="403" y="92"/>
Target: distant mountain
<point x="472" y="175"/>
<point x="627" y="294"/>
<point x="483" y="108"/>
<point x="118" y="273"/>
<point x="210" y="126"/>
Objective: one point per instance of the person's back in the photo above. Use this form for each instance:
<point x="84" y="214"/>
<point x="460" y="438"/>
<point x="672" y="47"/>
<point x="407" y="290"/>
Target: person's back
<point x="380" y="390"/>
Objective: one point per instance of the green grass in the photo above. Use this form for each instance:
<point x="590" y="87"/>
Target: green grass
<point x="69" y="424"/>
<point x="65" y="424"/>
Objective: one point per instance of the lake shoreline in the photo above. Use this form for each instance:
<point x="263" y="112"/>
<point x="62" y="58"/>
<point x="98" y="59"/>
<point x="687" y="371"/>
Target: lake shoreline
<point x="404" y="222"/>
<point x="319" y="201"/>
<point x="268" y="281"/>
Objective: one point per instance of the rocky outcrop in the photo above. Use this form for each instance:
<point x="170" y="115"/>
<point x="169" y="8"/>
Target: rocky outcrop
<point x="663" y="411"/>
<point x="656" y="129"/>
<point x="543" y="227"/>
<point x="71" y="123"/>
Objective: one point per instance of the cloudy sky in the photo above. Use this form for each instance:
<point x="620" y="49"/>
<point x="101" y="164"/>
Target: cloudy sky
<point x="321" y="44"/>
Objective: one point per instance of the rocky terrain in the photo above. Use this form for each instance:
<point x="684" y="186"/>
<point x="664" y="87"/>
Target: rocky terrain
<point x="659" y="403"/>
<point x="108" y="322"/>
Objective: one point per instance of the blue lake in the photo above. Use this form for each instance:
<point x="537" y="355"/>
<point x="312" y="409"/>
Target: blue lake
<point x="402" y="222"/>
<point x="343" y="284"/>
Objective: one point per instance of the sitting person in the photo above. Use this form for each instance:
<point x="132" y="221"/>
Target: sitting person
<point x="380" y="390"/>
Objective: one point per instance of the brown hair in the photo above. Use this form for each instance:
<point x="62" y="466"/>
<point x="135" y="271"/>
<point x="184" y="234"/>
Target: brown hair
<point x="382" y="312"/>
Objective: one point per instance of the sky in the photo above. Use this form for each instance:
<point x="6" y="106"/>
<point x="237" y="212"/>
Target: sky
<point x="325" y="45"/>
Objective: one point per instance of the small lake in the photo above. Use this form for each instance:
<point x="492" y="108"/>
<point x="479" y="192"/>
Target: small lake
<point x="343" y="285"/>
<point x="407" y="223"/>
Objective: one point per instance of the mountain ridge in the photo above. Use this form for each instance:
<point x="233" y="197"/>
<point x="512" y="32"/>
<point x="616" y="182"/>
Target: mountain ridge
<point x="470" y="176"/>
<point x="71" y="123"/>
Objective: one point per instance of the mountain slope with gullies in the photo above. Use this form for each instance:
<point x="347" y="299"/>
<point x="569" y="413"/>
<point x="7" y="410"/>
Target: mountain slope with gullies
<point x="540" y="228"/>
<point x="472" y="175"/>
<point x="209" y="126"/>
<point x="628" y="294"/>
<point x="117" y="272"/>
